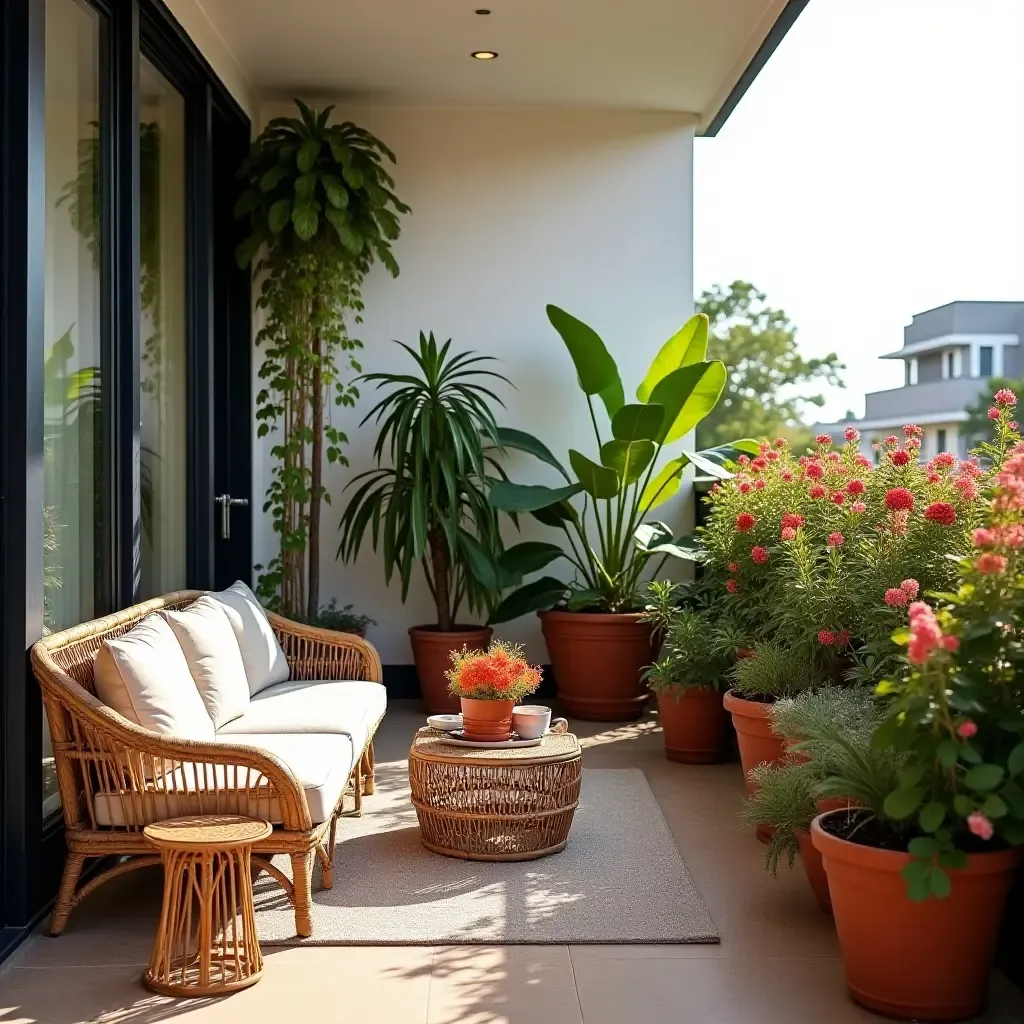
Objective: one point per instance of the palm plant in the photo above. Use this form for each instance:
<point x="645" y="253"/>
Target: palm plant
<point x="429" y="507"/>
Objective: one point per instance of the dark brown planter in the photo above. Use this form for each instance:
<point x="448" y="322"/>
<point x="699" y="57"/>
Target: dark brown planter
<point x="598" y="659"/>
<point x="431" y="650"/>
<point x="914" y="961"/>
<point x="695" y="724"/>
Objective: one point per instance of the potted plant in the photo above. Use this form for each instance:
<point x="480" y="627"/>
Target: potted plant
<point x="321" y="211"/>
<point x="487" y="685"/>
<point x="341" y="620"/>
<point x="688" y="679"/>
<point x="596" y="635"/>
<point x="428" y="510"/>
<point x="919" y="880"/>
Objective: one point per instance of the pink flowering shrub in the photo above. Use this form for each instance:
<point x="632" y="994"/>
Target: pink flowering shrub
<point x="957" y="705"/>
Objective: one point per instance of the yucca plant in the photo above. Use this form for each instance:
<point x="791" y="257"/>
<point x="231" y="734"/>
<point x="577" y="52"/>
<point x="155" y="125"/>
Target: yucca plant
<point x="428" y="509"/>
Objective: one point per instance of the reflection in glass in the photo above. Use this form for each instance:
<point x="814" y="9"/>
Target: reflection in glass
<point x="163" y="372"/>
<point x="72" y="438"/>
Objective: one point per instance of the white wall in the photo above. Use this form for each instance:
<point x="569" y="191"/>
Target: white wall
<point x="512" y="209"/>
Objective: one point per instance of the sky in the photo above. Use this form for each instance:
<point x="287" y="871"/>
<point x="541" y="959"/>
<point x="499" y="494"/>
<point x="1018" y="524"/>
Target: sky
<point x="874" y="169"/>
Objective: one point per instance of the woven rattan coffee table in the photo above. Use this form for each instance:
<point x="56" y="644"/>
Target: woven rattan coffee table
<point x="206" y="943"/>
<point x="507" y="804"/>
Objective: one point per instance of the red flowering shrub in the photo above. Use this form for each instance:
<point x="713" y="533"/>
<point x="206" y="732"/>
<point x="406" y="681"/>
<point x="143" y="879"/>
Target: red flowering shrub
<point x="745" y="522"/>
<point x="499" y="673"/>
<point x="899" y="499"/>
<point x="940" y="512"/>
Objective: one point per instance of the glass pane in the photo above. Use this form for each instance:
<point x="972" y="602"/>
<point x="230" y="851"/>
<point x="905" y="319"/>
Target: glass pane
<point x="72" y="437"/>
<point x="164" y="369"/>
<point x="985" y="361"/>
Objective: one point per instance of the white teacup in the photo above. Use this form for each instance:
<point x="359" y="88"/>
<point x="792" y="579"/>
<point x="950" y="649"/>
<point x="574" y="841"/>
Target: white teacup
<point x="531" y="721"/>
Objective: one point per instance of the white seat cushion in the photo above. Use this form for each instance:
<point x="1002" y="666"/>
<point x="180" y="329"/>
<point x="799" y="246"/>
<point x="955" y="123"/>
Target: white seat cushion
<point x="348" y="707"/>
<point x="321" y="762"/>
<point x="265" y="663"/>
<point x="143" y="675"/>
<point x="213" y="657"/>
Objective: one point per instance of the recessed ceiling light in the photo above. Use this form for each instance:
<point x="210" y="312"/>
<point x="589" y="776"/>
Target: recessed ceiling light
<point x="483" y="54"/>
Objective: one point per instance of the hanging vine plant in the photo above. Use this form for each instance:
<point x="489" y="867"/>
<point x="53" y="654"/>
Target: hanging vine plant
<point x="321" y="211"/>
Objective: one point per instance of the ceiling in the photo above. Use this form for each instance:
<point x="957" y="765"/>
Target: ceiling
<point x="669" y="55"/>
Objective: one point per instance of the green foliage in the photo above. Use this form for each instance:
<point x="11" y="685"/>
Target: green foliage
<point x="978" y="428"/>
<point x="342" y="620"/>
<point x="783" y="798"/>
<point x="429" y="508"/>
<point x="321" y="211"/>
<point x="769" y="381"/>
<point x="773" y="671"/>
<point x="603" y="503"/>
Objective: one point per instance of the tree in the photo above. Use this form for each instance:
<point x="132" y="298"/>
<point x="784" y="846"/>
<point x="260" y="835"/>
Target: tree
<point x="769" y="382"/>
<point x="978" y="426"/>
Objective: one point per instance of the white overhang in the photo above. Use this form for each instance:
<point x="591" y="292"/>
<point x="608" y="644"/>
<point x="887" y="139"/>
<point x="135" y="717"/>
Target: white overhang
<point x="916" y="348"/>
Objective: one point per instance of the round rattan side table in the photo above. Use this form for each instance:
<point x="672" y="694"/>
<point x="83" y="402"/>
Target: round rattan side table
<point x="206" y="942"/>
<point x="505" y="804"/>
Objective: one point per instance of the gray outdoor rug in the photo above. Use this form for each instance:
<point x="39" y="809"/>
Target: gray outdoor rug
<point x="620" y="879"/>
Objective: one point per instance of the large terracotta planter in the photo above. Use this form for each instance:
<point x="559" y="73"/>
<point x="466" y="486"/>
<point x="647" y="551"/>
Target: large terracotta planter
<point x="695" y="725"/>
<point x="598" y="659"/>
<point x="757" y="742"/>
<point x="810" y="857"/>
<point x="487" y="721"/>
<point x="431" y="650"/>
<point x="914" y="961"/>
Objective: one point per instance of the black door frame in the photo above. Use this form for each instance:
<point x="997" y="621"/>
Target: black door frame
<point x="31" y="849"/>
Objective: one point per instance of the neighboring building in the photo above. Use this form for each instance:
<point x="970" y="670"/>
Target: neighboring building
<point x="948" y="355"/>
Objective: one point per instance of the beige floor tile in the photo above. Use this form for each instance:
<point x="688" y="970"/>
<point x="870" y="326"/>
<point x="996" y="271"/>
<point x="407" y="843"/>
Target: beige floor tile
<point x="503" y="985"/>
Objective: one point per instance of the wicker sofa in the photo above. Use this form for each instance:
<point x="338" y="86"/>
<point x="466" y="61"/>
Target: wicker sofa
<point x="115" y="777"/>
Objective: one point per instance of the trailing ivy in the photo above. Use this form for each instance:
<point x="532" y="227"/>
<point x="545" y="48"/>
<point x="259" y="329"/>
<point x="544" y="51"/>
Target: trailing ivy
<point x="321" y="211"/>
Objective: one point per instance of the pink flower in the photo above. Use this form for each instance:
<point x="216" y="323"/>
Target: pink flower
<point x="824" y="439"/>
<point x="990" y="564"/>
<point x="842" y="638"/>
<point x="815" y="470"/>
<point x="1004" y="396"/>
<point x="951" y="643"/>
<point x="966" y="729"/>
<point x="787" y="476"/>
<point x="771" y="455"/>
<point x="788" y="533"/>
<point x="838" y="498"/>
<point x="892" y="440"/>
<point x="759" y="554"/>
<point x="913" y="444"/>
<point x="979" y="825"/>
<point x="855" y="487"/>
<point x="858" y="507"/>
<point x="912" y="430"/>
<point x="1014" y="425"/>
<point x="793" y="519"/>
<point x="899" y="499"/>
<point x="780" y="442"/>
<point x="1013" y="536"/>
<point x="943" y="461"/>
<point x="940" y="512"/>
<point x="760" y="484"/>
<point x="835" y="540"/>
<point x="826" y="637"/>
<point x="745" y="522"/>
<point x="910" y="588"/>
<point x="759" y="464"/>
<point x="896" y="598"/>
<point x="744" y="487"/>
<point x="732" y="586"/>
<point x="983" y="537"/>
<point x="934" y="478"/>
<point x="925" y="633"/>
<point x="993" y="413"/>
<point x="733" y="567"/>
<point x="852" y="434"/>
<point x="970" y="468"/>
<point x="834" y="458"/>
<point x="863" y="461"/>
<point x="744" y="460"/>
<point x="817" y="491"/>
<point x="900" y="458"/>
<point x="966" y="488"/>
<point x="898" y="522"/>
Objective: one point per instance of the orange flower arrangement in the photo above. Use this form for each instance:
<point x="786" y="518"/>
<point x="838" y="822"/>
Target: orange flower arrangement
<point x="499" y="673"/>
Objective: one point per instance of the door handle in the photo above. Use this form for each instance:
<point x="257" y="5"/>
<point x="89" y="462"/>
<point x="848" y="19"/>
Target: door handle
<point x="226" y="503"/>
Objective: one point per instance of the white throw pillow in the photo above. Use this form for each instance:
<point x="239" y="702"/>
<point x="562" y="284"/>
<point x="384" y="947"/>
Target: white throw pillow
<point x="143" y="675"/>
<point x="214" y="658"/>
<point x="265" y="663"/>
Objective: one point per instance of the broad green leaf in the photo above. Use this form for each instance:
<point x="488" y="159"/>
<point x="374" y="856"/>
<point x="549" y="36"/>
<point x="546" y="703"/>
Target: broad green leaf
<point x="528" y="556"/>
<point x="687" y="346"/>
<point x="637" y="422"/>
<point x="307" y="154"/>
<point x="247" y="202"/>
<point x="272" y="178"/>
<point x="994" y="806"/>
<point x="918" y="880"/>
<point x="953" y="859"/>
<point x="598" y="481"/>
<point x="509" y="437"/>
<point x="901" y="803"/>
<point x="688" y="395"/>
<point x="924" y="846"/>
<point x="509" y="497"/>
<point x="595" y="368"/>
<point x="665" y="484"/>
<point x="948" y="752"/>
<point x="557" y="514"/>
<point x="540" y="594"/>
<point x="729" y="453"/>
<point x="585" y="598"/>
<point x="628" y="458"/>
<point x="963" y="805"/>
<point x="706" y="466"/>
<point x="305" y="187"/>
<point x="482" y="566"/>
<point x="940" y="883"/>
<point x="1015" y="762"/>
<point x="931" y="816"/>
<point x="279" y="215"/>
<point x="984" y="776"/>
<point x="306" y="221"/>
<point x="655" y="538"/>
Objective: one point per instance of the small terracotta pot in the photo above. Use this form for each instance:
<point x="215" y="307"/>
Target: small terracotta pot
<point x="432" y="650"/>
<point x="695" y="725"/>
<point x="598" y="659"/>
<point x="757" y="742"/>
<point x="488" y="721"/>
<point x="914" y="961"/>
<point x="815" y="871"/>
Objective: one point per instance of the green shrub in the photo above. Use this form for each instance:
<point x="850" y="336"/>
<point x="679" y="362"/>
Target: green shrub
<point x="784" y="799"/>
<point x="773" y="671"/>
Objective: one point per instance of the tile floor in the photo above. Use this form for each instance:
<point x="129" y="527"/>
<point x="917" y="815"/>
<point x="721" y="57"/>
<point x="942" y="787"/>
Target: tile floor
<point x="778" y="960"/>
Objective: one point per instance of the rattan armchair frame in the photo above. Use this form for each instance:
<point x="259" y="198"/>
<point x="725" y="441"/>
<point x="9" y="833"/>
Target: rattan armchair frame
<point x="97" y="750"/>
